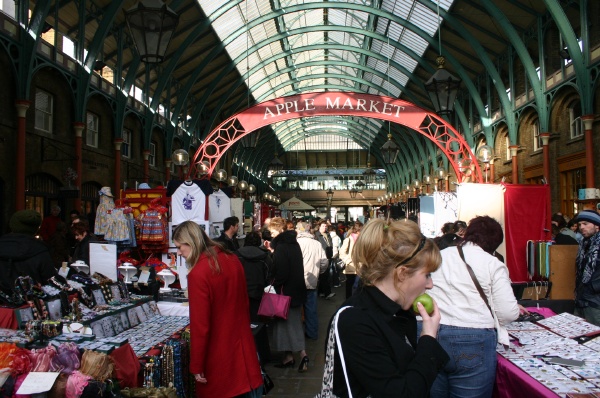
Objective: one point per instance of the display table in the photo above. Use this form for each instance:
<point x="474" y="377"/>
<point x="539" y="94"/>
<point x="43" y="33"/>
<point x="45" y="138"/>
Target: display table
<point x="513" y="382"/>
<point x="173" y="309"/>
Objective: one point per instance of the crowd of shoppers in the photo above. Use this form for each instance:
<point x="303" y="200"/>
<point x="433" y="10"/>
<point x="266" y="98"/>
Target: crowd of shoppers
<point x="387" y="349"/>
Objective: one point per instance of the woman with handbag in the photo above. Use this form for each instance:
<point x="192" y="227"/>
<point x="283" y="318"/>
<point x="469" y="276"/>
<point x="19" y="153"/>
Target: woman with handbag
<point x="346" y="256"/>
<point x="473" y="291"/>
<point x="288" y="279"/>
<point x="374" y="335"/>
<point x="223" y="356"/>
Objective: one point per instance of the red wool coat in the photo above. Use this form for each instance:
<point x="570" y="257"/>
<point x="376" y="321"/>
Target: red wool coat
<point x="222" y="346"/>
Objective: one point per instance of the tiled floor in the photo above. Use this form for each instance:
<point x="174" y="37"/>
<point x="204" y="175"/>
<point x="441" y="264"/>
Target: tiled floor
<point x="288" y="382"/>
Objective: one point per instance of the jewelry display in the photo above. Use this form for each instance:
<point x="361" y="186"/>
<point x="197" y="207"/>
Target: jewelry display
<point x="115" y="292"/>
<point x="54" y="308"/>
<point x="23" y="315"/>
<point x="98" y="296"/>
<point x="141" y="314"/>
<point x="551" y="352"/>
<point x="149" y="374"/>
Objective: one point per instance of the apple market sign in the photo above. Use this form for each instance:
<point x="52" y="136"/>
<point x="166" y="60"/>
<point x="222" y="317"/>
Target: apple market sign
<point x="450" y="141"/>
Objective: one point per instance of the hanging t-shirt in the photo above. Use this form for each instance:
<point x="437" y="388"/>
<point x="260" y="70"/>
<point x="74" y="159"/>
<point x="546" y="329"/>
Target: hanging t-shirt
<point x="187" y="204"/>
<point x="219" y="206"/>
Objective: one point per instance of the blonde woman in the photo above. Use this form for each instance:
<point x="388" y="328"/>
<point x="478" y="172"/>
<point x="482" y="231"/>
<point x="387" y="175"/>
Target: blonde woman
<point x="346" y="256"/>
<point x="378" y="332"/>
<point x="223" y="356"/>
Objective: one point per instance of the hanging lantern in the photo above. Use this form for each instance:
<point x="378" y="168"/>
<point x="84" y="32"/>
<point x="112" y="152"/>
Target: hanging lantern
<point x="151" y="24"/>
<point x="369" y="174"/>
<point x="442" y="88"/>
<point x="389" y="151"/>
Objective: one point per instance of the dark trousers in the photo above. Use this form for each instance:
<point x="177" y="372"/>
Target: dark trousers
<point x="350" y="278"/>
<point x="335" y="275"/>
<point x="324" y="287"/>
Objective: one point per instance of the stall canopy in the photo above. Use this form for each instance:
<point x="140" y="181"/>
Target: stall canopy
<point x="295" y="204"/>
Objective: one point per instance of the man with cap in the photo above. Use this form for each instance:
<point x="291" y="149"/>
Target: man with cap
<point x="21" y="254"/>
<point x="587" y="280"/>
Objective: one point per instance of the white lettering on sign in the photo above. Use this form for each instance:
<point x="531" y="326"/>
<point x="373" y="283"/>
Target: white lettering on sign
<point x="308" y="104"/>
<point x="289" y="107"/>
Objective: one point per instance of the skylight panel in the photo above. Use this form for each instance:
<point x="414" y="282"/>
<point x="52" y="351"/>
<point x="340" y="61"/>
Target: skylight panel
<point x="228" y="23"/>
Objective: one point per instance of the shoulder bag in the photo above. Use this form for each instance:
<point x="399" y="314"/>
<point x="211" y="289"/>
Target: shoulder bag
<point x="273" y="305"/>
<point x="475" y="281"/>
<point x="327" y="387"/>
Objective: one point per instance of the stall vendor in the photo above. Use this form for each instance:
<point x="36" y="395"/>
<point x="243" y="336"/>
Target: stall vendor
<point x="21" y="253"/>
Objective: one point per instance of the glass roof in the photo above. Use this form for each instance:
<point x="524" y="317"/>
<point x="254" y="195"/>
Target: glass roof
<point x="313" y="46"/>
<point x="326" y="142"/>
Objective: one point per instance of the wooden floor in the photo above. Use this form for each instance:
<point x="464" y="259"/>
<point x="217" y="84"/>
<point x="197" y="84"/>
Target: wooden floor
<point x="288" y="382"/>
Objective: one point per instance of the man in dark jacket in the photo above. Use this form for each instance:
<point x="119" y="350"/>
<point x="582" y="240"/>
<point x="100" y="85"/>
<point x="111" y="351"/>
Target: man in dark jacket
<point x="228" y="238"/>
<point x="257" y="264"/>
<point x="587" y="279"/>
<point x="21" y="254"/>
<point x="325" y="278"/>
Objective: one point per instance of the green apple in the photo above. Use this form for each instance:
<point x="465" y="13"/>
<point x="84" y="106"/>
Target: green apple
<point x="427" y="302"/>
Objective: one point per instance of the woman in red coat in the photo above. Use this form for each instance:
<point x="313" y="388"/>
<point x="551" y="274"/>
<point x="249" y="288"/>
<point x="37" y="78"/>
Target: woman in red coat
<point x="223" y="356"/>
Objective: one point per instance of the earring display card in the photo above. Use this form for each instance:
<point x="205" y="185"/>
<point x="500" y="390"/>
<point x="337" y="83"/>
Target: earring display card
<point x="568" y="325"/>
<point x="97" y="329"/>
<point x="54" y="309"/>
<point x="98" y="297"/>
<point x="116" y="292"/>
<point x="124" y="320"/>
<point x="23" y="315"/>
<point x="141" y="314"/>
<point x="133" y="318"/>
<point x="154" y="308"/>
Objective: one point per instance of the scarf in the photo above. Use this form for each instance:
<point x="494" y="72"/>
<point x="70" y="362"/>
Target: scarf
<point x="587" y="257"/>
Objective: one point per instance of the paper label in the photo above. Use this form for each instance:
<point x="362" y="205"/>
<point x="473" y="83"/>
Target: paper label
<point x="37" y="382"/>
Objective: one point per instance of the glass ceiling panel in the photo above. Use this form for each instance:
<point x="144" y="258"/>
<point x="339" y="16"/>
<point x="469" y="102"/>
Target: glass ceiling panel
<point x="325" y="142"/>
<point x="348" y="56"/>
<point x="345" y="38"/>
<point x="233" y="22"/>
<point x="356" y="19"/>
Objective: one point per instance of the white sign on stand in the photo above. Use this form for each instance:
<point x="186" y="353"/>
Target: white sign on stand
<point x="103" y="259"/>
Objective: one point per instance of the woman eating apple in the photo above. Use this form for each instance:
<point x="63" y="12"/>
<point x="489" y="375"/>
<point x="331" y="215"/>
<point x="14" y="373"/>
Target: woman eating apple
<point x="378" y="329"/>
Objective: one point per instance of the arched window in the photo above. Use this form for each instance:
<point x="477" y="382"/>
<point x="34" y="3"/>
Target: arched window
<point x="535" y="132"/>
<point x="575" y="120"/>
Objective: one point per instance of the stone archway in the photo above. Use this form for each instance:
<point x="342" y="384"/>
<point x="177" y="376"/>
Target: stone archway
<point x="450" y="142"/>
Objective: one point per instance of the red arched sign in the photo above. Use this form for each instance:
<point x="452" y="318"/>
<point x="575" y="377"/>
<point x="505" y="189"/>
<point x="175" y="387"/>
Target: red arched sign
<point x="397" y="111"/>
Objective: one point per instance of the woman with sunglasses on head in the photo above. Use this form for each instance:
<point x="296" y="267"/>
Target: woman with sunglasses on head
<point x="469" y="329"/>
<point x="223" y="356"/>
<point x="378" y="332"/>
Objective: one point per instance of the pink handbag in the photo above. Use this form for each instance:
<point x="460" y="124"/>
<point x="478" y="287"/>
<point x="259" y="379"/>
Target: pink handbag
<point x="273" y="305"/>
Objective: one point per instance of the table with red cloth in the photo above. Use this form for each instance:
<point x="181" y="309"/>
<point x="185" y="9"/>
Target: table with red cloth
<point x="127" y="366"/>
<point x="8" y="318"/>
<point x="512" y="382"/>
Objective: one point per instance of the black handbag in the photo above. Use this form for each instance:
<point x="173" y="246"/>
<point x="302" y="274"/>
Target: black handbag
<point x="267" y="381"/>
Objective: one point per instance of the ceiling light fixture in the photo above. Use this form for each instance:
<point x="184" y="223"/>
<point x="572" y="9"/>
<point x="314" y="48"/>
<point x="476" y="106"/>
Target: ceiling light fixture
<point x="442" y="87"/>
